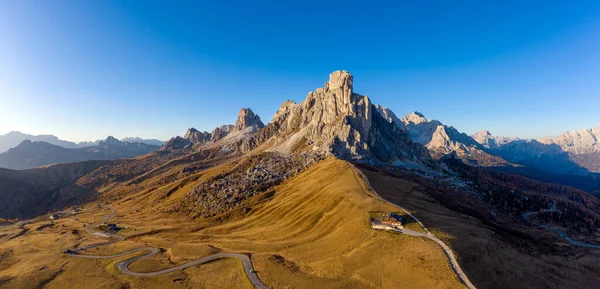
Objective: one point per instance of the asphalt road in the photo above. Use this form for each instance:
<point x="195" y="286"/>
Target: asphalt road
<point x="555" y="229"/>
<point x="123" y="266"/>
<point x="449" y="253"/>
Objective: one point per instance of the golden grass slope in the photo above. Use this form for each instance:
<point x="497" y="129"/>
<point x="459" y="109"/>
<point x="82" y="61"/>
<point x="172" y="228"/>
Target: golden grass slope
<point x="312" y="232"/>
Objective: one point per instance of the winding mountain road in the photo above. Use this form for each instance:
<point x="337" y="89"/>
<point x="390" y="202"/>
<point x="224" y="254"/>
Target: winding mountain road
<point x="449" y="253"/>
<point x="123" y="266"/>
<point x="556" y="229"/>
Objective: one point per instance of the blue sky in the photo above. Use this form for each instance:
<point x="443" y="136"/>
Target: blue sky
<point x="83" y="70"/>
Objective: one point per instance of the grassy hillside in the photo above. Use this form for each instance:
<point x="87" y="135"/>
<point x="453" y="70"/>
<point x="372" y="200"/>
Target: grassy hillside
<point x="310" y="232"/>
<point x="28" y="193"/>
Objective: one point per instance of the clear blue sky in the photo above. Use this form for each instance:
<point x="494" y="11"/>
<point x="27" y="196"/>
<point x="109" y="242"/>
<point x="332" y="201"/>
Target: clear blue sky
<point x="85" y="69"/>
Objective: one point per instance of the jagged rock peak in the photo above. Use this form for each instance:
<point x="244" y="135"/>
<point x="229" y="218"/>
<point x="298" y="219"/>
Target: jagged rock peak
<point x="483" y="133"/>
<point x="189" y="132"/>
<point x="415" y="117"/>
<point x="333" y="119"/>
<point x="220" y="132"/>
<point x="175" y="143"/>
<point x="110" y="140"/>
<point x="388" y="114"/>
<point x="340" y="79"/>
<point x="285" y="108"/>
<point x="195" y="136"/>
<point x="247" y="118"/>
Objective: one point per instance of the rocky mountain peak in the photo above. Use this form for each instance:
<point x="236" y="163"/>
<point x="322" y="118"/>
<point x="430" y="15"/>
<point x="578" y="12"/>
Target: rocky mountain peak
<point x="388" y="114"/>
<point x="195" y="136"/>
<point x="336" y="120"/>
<point x="220" y="132"/>
<point x="482" y="136"/>
<point x="190" y="132"/>
<point x="415" y="118"/>
<point x="110" y="140"/>
<point x="339" y="80"/>
<point x="489" y="141"/>
<point x="247" y="118"/>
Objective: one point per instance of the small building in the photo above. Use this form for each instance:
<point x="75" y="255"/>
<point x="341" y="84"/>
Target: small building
<point x="393" y="220"/>
<point x="53" y="217"/>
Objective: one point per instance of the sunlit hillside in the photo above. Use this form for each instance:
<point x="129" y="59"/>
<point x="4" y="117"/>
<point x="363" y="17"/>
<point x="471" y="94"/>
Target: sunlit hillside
<point x="310" y="232"/>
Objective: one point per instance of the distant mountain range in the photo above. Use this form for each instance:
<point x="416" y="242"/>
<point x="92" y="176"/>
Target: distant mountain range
<point x="32" y="154"/>
<point x="571" y="152"/>
<point x="442" y="140"/>
<point x="14" y="138"/>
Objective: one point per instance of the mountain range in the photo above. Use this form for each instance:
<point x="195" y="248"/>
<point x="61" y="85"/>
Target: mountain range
<point x="569" y="153"/>
<point x="14" y="138"/>
<point x="32" y="154"/>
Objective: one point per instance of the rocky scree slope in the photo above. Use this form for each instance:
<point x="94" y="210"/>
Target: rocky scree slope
<point x="250" y="177"/>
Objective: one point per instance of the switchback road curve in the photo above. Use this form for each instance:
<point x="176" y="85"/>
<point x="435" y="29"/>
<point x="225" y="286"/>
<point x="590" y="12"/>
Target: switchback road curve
<point x="123" y="266"/>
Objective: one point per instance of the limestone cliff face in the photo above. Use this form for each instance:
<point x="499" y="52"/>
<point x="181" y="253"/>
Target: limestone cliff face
<point x="336" y="120"/>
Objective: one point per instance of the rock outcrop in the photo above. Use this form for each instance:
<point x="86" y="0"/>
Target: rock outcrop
<point x="336" y="120"/>
<point x="176" y="143"/>
<point x="220" y="132"/>
<point x="194" y="136"/>
<point x="246" y="119"/>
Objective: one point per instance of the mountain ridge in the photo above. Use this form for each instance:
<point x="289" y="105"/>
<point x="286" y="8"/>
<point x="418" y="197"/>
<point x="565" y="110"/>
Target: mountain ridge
<point x="573" y="152"/>
<point x="30" y="154"/>
<point x="442" y="140"/>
